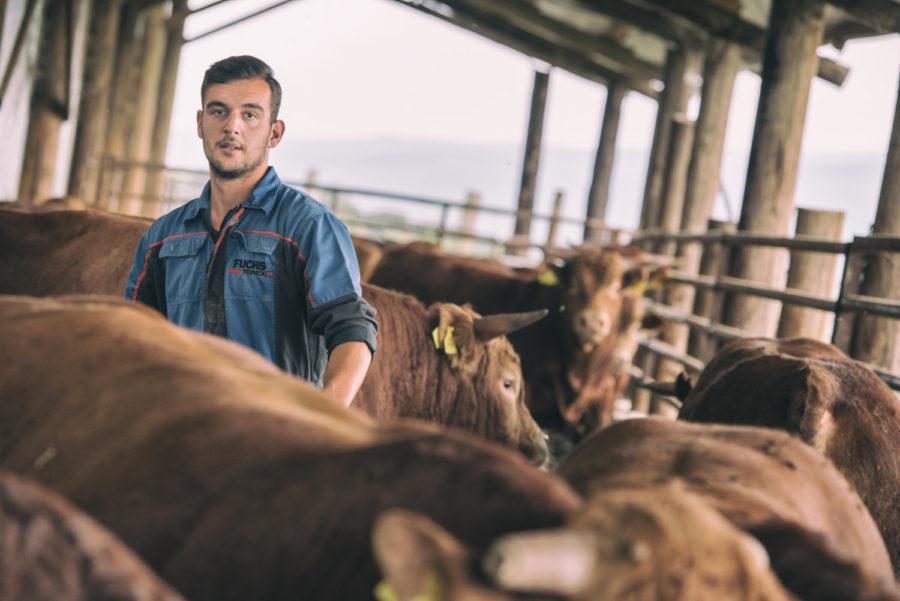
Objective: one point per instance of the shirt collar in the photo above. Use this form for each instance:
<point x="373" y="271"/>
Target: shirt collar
<point x="262" y="197"/>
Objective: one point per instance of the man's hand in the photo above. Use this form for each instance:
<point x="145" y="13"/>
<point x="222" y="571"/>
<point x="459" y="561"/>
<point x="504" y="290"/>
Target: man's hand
<point x="346" y="370"/>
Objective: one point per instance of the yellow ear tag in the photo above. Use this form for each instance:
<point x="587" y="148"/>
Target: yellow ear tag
<point x="639" y="286"/>
<point x="449" y="344"/>
<point x="384" y="592"/>
<point x="548" y="278"/>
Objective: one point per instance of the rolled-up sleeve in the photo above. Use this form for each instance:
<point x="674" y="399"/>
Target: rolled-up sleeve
<point x="337" y="310"/>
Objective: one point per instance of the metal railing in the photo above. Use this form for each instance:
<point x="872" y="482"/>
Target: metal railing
<point x="172" y="187"/>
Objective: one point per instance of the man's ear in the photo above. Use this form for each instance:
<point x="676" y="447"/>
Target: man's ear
<point x="276" y="134"/>
<point x="414" y="555"/>
<point x="199" y="119"/>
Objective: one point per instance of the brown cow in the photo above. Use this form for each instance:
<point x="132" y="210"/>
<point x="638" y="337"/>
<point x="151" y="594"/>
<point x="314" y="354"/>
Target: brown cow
<point x="659" y="543"/>
<point x="91" y="252"/>
<point x="67" y="252"/>
<point x="368" y="254"/>
<point x="808" y="388"/>
<point x="230" y="478"/>
<point x="51" y="551"/>
<point x="475" y="385"/>
<point x="561" y="356"/>
<point x="757" y="478"/>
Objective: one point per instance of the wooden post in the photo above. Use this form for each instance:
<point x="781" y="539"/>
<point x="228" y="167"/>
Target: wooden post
<point x="554" y="222"/>
<point x="122" y="104"/>
<point x="93" y="109"/>
<point x="49" y="104"/>
<point x="790" y="62"/>
<point x="466" y="246"/>
<point x="876" y="340"/>
<point x="681" y="138"/>
<point x="812" y="272"/>
<point x="532" y="154"/>
<point x="598" y="196"/>
<point x="138" y="153"/>
<point x="164" y="102"/>
<point x="708" y="303"/>
<point x="674" y="100"/>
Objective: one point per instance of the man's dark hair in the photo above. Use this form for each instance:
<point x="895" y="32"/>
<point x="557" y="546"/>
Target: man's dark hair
<point x="234" y="68"/>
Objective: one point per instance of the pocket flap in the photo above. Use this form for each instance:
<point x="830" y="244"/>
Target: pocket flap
<point x="260" y="243"/>
<point x="182" y="247"/>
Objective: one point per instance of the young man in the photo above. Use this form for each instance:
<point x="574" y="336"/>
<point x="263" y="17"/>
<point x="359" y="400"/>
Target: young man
<point x="252" y="259"/>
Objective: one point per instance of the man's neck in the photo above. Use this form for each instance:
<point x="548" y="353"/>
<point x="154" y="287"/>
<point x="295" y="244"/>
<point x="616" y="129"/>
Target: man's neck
<point x="225" y="194"/>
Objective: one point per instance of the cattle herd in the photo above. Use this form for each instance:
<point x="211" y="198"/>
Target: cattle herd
<point x="142" y="461"/>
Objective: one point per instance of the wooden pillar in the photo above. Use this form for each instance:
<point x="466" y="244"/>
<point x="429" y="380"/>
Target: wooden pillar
<point x="674" y="100"/>
<point x="554" y="222"/>
<point x="49" y="104"/>
<point x="122" y="104"/>
<point x="681" y="139"/>
<point x="96" y="89"/>
<point x="164" y="102"/>
<point x="876" y="340"/>
<point x="532" y="154"/>
<point x="812" y="272"/>
<point x="789" y="64"/>
<point x="598" y="196"/>
<point x="138" y="152"/>
<point x="708" y="303"/>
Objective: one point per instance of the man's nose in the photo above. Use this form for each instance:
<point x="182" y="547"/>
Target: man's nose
<point x="233" y="123"/>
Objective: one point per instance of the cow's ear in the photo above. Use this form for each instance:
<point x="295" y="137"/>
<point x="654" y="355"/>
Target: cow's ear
<point x="650" y="324"/>
<point x="416" y="556"/>
<point x="453" y="335"/>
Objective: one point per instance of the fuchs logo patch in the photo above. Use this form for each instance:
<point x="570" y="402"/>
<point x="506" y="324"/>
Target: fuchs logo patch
<point x="250" y="267"/>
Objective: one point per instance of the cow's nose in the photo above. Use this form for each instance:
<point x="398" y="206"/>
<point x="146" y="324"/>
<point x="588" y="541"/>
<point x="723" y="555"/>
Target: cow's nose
<point x="595" y="323"/>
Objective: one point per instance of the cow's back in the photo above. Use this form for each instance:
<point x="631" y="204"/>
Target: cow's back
<point x="67" y="252"/>
<point x="199" y="453"/>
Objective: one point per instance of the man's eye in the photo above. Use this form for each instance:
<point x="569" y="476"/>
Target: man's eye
<point x="250" y="115"/>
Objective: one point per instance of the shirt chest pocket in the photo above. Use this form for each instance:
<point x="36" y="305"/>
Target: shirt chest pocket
<point x="252" y="266"/>
<point x="185" y="264"/>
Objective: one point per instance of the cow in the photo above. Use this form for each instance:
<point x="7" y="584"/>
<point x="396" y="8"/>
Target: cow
<point x="757" y="478"/>
<point x="479" y="389"/>
<point x="228" y="477"/>
<point x="67" y="252"/>
<point x="51" y="551"/>
<point x="835" y="404"/>
<point x="475" y="383"/>
<point x="568" y="357"/>
<point x="659" y="543"/>
<point x="368" y="254"/>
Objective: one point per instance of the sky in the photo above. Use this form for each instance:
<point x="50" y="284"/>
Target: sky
<point x="376" y="69"/>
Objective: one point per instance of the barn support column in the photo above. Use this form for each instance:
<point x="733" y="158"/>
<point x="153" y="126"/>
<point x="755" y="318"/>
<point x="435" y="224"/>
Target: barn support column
<point x="707" y="302"/>
<point x="93" y="112"/>
<point x="138" y="146"/>
<point x="598" y="196"/>
<point x="49" y="103"/>
<point x="122" y="103"/>
<point x="674" y="100"/>
<point x="789" y="64"/>
<point x="876" y="340"/>
<point x="811" y="272"/>
<point x="532" y="155"/>
<point x="164" y="102"/>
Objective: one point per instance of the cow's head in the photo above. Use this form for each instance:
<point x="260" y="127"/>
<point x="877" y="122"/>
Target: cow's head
<point x="490" y="397"/>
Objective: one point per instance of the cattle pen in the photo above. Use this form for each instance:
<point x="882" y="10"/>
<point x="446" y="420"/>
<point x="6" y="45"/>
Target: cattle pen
<point x="131" y="48"/>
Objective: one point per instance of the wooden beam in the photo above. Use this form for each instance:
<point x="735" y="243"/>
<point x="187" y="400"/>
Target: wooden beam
<point x="532" y="156"/>
<point x="795" y="31"/>
<point x="811" y="272"/>
<point x="875" y="339"/>
<point x="17" y="47"/>
<point x="723" y="23"/>
<point x="47" y="105"/>
<point x="93" y="112"/>
<point x="882" y="16"/>
<point x="598" y="195"/>
<point x="674" y="100"/>
<point x="652" y="19"/>
<point x="529" y="45"/>
<point x="527" y="17"/>
<point x="164" y="101"/>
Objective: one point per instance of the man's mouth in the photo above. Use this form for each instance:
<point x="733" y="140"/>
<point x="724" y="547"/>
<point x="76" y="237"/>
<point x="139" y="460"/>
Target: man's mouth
<point x="229" y="146"/>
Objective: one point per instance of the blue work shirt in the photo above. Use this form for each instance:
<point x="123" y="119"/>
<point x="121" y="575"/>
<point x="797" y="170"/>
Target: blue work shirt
<point x="281" y="278"/>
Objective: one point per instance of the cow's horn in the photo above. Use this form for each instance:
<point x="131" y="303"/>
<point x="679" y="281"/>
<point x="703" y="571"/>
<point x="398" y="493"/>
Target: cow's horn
<point x="548" y="561"/>
<point x="491" y="326"/>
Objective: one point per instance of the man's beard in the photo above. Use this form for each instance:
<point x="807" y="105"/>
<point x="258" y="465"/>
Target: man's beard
<point x="235" y="173"/>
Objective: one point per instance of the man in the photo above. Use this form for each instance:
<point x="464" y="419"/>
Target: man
<point x="252" y="259"/>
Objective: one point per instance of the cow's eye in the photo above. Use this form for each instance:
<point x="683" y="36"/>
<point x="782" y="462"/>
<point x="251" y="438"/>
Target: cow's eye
<point x="508" y="384"/>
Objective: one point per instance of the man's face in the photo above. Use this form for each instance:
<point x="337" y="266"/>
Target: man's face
<point x="236" y="127"/>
